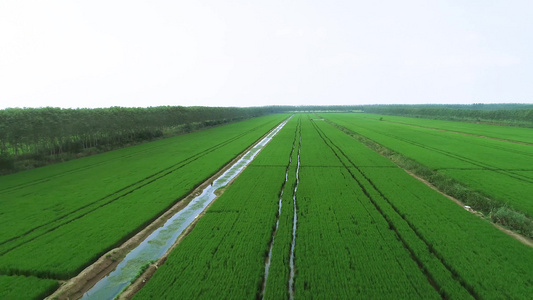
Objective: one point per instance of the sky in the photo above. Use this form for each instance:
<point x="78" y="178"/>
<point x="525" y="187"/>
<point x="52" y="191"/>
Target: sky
<point x="253" y="53"/>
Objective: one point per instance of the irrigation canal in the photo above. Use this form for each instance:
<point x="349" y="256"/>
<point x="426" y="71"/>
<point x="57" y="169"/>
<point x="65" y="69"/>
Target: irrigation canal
<point x="160" y="241"/>
<point x="280" y="204"/>
<point x="294" y="224"/>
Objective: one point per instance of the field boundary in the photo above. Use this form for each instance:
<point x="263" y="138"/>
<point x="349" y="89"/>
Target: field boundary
<point x="454" y="189"/>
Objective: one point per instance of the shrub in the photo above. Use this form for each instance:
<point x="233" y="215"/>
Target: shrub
<point x="7" y="162"/>
<point x="513" y="219"/>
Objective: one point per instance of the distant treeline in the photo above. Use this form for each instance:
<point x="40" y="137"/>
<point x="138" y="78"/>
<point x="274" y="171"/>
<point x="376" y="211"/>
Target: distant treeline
<point x="31" y="137"/>
<point x="37" y="136"/>
<point x="313" y="108"/>
<point x="512" y="114"/>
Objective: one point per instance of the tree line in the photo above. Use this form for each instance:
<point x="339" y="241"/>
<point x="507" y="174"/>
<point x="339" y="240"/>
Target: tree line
<point x="32" y="137"/>
<point x="511" y="114"/>
<point x="37" y="136"/>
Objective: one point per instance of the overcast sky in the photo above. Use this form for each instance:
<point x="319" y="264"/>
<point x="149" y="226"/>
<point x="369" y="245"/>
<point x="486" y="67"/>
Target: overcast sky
<point x="253" y="53"/>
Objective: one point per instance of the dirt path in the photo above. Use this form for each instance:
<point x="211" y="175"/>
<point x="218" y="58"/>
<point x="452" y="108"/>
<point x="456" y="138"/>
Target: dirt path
<point x="75" y="287"/>
<point x="524" y="240"/>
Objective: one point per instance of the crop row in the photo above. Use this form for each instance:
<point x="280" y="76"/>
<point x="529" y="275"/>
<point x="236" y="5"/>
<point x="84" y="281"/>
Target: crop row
<point x="75" y="241"/>
<point x="498" y="169"/>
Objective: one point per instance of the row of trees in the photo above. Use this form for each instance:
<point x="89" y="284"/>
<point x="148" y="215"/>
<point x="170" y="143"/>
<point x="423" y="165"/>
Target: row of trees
<point x="40" y="135"/>
<point x="37" y="136"/>
<point x="314" y="108"/>
<point x="514" y="114"/>
<point x="32" y="137"/>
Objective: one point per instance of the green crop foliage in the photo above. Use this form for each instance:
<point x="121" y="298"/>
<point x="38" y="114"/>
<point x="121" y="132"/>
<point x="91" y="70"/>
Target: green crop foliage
<point x="343" y="238"/>
<point x="72" y="213"/>
<point x="344" y="244"/>
<point x="498" y="169"/>
<point x="457" y="249"/>
<point x="277" y="282"/>
<point x="224" y="256"/>
<point x="278" y="278"/>
<point x="517" y="134"/>
<point x="366" y="229"/>
<point x="22" y="287"/>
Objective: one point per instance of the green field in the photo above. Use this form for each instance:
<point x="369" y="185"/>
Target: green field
<point x="323" y="214"/>
<point x="508" y="133"/>
<point x="230" y="242"/>
<point x="63" y="217"/>
<point x="23" y="287"/>
<point x="365" y="229"/>
<point x="501" y="170"/>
